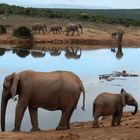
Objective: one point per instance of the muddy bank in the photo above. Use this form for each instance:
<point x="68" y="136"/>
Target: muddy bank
<point x="129" y="130"/>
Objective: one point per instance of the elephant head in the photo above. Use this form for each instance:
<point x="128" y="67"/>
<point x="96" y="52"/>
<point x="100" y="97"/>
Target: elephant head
<point x="128" y="99"/>
<point x="9" y="91"/>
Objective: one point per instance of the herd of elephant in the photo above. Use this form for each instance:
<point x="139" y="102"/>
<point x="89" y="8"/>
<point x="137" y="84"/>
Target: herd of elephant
<point x="37" y="28"/>
<point x="58" y="90"/>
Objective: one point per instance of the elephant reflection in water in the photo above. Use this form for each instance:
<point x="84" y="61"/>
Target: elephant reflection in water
<point x="21" y="52"/>
<point x="37" y="53"/>
<point x="2" y="51"/>
<point x="55" y="51"/>
<point x="118" y="36"/>
<point x="73" y="53"/>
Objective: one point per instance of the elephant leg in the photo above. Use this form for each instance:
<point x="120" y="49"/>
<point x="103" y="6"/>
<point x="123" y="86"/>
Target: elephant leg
<point x="20" y="110"/>
<point x="77" y="32"/>
<point x="113" y="120"/>
<point x="72" y="33"/>
<point x="95" y="122"/>
<point x="119" y="116"/>
<point x="69" y="117"/>
<point x="34" y="119"/>
<point x="64" y="121"/>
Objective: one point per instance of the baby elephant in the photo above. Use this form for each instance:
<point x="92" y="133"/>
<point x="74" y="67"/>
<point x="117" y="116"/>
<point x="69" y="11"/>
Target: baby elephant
<point x="107" y="104"/>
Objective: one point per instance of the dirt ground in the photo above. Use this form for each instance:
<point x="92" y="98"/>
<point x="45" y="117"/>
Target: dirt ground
<point x="129" y="130"/>
<point x="91" y="36"/>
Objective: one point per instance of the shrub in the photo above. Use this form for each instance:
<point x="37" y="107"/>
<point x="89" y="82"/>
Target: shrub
<point x="84" y="16"/>
<point x="2" y="29"/>
<point x="23" y="32"/>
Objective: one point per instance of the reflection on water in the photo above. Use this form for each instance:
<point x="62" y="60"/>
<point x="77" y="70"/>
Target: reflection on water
<point x="24" y="51"/>
<point x="89" y="65"/>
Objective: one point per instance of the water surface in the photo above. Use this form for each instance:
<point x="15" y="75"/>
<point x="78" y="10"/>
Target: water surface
<point x="87" y="66"/>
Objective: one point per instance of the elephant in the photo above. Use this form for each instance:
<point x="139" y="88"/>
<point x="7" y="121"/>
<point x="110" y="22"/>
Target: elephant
<point x="57" y="90"/>
<point x="71" y="27"/>
<point x="39" y="27"/>
<point x="107" y="104"/>
<point x="71" y="53"/>
<point x="114" y="34"/>
<point x="55" y="28"/>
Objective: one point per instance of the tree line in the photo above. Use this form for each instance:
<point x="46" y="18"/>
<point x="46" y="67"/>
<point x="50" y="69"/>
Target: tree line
<point x="125" y="17"/>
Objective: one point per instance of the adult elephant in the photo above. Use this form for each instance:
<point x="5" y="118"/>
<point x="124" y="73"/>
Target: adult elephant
<point x="59" y="90"/>
<point x="38" y="27"/>
<point x="71" y="27"/>
<point x="55" y="28"/>
<point x="112" y="104"/>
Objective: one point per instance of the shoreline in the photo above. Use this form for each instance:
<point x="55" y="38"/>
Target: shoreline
<point x="90" y="37"/>
<point x="129" y="129"/>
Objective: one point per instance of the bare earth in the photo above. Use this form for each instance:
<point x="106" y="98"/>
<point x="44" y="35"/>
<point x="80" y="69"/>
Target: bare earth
<point x="129" y="130"/>
<point x="91" y="36"/>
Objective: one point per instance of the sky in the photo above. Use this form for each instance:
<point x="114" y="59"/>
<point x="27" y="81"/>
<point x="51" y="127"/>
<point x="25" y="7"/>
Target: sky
<point x="121" y="4"/>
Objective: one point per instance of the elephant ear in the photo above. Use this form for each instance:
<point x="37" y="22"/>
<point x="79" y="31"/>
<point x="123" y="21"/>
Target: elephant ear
<point x="123" y="94"/>
<point x="14" y="84"/>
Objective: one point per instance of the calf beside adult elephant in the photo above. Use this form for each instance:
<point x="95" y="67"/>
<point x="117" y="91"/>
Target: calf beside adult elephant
<point x="59" y="90"/>
<point x="71" y="27"/>
<point x="107" y="104"/>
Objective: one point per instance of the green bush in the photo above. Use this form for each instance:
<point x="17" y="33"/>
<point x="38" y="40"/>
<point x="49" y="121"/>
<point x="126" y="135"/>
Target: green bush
<point x="2" y="29"/>
<point x="23" y="32"/>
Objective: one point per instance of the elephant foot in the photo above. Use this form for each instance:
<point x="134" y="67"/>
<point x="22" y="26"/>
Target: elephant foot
<point x="16" y="130"/>
<point x="95" y="125"/>
<point x="35" y="129"/>
<point x="62" y="128"/>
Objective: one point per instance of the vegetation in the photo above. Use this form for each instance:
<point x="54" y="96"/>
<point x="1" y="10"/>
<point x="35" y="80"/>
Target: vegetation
<point x="23" y="32"/>
<point x="2" y="29"/>
<point x="125" y="17"/>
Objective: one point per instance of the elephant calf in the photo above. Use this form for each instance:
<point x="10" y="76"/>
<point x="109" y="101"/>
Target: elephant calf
<point x="107" y="104"/>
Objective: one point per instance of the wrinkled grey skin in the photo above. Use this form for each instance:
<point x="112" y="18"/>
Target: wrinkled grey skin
<point x="73" y="53"/>
<point x="107" y="104"/>
<point x="38" y="27"/>
<point x="59" y="90"/>
<point x="55" y="28"/>
<point x="73" y="28"/>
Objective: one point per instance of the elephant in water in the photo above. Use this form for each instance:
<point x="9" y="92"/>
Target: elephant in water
<point x="73" y="28"/>
<point x="58" y="90"/>
<point x="55" y="28"/>
<point x="38" y="27"/>
<point x="107" y="104"/>
<point x="71" y="53"/>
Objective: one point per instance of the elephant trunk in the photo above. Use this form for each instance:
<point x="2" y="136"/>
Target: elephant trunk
<point x="136" y="108"/>
<point x="4" y="102"/>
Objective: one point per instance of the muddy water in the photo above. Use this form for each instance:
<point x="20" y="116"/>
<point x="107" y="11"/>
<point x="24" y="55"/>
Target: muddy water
<point x="87" y="66"/>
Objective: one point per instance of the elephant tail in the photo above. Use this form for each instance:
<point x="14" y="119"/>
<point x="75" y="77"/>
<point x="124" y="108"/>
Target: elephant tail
<point x="83" y="90"/>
